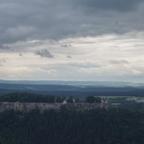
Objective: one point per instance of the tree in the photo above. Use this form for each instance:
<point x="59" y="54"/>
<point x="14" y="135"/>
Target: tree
<point x="70" y="100"/>
<point x="93" y="99"/>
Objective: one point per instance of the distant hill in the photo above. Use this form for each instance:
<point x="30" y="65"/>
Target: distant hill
<point x="75" y="83"/>
<point x="74" y="88"/>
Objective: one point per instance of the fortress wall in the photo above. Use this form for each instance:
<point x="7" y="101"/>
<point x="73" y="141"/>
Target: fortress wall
<point x="26" y="107"/>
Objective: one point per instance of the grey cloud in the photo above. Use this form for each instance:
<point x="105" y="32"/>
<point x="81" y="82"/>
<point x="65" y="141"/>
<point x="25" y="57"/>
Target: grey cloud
<point x="58" y="19"/>
<point x="116" y="5"/>
<point x="20" y="54"/>
<point x="70" y="57"/>
<point x="2" y="61"/>
<point x="85" y="65"/>
<point x="4" y="47"/>
<point x="66" y="45"/>
<point x="44" y="53"/>
<point x="19" y="32"/>
<point x="117" y="62"/>
<point x="73" y="65"/>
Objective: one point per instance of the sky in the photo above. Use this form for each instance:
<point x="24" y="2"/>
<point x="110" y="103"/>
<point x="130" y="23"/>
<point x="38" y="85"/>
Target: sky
<point x="98" y="40"/>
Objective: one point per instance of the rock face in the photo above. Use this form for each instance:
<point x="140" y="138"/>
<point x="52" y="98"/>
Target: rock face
<point x="17" y="106"/>
<point x="26" y="107"/>
<point x="82" y="106"/>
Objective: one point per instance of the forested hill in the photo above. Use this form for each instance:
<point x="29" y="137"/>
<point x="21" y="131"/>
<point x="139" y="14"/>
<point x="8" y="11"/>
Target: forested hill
<point x="73" y="90"/>
<point x="98" y="126"/>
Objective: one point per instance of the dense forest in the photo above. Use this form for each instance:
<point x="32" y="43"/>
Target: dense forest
<point x="113" y="126"/>
<point x="37" y="98"/>
<point x="29" y="97"/>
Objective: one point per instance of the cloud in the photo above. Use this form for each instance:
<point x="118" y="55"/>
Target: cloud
<point x="89" y="39"/>
<point x="2" y="61"/>
<point x="119" y="62"/>
<point x="14" y="72"/>
<point x="109" y="56"/>
<point x="44" y="53"/>
<point x="69" y="56"/>
<point x="19" y="32"/>
<point x="4" y="48"/>
<point x="56" y="20"/>
<point x="112" y="5"/>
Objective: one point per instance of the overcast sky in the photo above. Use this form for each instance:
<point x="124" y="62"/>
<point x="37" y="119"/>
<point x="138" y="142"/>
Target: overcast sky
<point x="72" y="40"/>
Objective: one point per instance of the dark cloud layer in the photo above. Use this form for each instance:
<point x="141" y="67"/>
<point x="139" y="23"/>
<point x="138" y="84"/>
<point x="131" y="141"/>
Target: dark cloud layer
<point x="56" y="19"/>
<point x="116" y="5"/>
